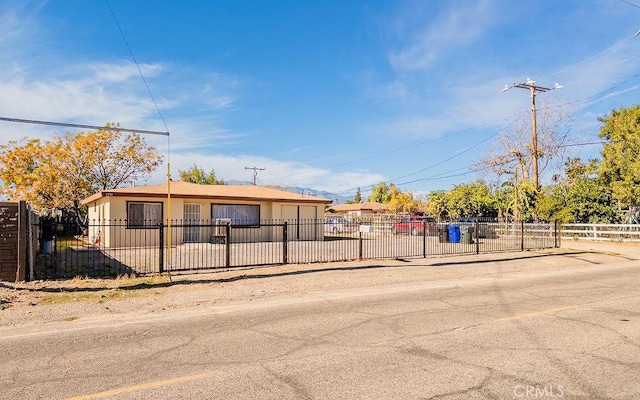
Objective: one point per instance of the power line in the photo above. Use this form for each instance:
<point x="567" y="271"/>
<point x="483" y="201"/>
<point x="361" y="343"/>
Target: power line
<point x="458" y="154"/>
<point x="629" y="3"/>
<point x="137" y="65"/>
<point x="479" y="126"/>
<point x="592" y="56"/>
<point x="81" y="126"/>
<point x="397" y="150"/>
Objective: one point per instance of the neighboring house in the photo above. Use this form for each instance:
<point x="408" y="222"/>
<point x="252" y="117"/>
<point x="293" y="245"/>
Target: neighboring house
<point x="366" y="208"/>
<point x="140" y="210"/>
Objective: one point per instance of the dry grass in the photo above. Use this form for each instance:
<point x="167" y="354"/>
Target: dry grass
<point x="83" y="289"/>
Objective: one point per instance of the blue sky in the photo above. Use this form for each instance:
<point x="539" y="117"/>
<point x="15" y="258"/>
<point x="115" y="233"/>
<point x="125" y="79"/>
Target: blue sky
<point x="331" y="94"/>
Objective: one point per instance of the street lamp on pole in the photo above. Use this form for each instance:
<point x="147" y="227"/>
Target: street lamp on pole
<point x="530" y="85"/>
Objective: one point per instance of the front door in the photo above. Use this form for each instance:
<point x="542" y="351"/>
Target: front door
<point x="191" y="216"/>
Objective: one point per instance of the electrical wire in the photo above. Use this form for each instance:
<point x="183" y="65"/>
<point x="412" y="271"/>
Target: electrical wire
<point x="133" y="57"/>
<point x="629" y="3"/>
<point x="476" y="127"/>
<point x="397" y="150"/>
<point x="68" y="125"/>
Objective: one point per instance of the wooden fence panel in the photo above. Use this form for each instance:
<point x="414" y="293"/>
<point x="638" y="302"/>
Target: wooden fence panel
<point x="13" y="241"/>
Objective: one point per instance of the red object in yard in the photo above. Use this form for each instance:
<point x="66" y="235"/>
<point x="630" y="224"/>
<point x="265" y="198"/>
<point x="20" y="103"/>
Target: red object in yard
<point x="415" y="225"/>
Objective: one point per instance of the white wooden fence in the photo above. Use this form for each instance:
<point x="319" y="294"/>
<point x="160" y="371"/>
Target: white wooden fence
<point x="604" y="232"/>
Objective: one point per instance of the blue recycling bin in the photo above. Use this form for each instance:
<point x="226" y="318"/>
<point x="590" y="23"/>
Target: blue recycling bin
<point x="454" y="234"/>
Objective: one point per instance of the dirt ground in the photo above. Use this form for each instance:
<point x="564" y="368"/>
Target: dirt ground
<point x="72" y="301"/>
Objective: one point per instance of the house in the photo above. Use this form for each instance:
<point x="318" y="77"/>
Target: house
<point x="130" y="217"/>
<point x="366" y="208"/>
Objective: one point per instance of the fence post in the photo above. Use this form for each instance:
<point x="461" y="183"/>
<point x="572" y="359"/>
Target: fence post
<point x="22" y="241"/>
<point x="475" y="233"/>
<point x="556" y="232"/>
<point x="161" y="242"/>
<point x="424" y="238"/>
<point x="31" y="245"/>
<point x="227" y="242"/>
<point x="285" y="247"/>
<point x="522" y="235"/>
<point x="360" y="246"/>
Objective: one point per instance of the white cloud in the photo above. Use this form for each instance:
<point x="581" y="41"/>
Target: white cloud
<point x="285" y="173"/>
<point x="121" y="72"/>
<point x="457" y="27"/>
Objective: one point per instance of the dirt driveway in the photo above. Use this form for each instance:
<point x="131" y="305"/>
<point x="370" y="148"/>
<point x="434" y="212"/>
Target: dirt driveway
<point x="73" y="301"/>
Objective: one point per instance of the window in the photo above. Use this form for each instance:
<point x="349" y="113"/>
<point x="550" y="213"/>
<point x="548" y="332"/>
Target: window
<point x="244" y="215"/>
<point x="143" y="215"/>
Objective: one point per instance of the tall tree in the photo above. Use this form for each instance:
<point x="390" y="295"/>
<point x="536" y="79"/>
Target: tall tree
<point x="381" y="193"/>
<point x="358" y="197"/>
<point x="437" y="204"/>
<point x="512" y="150"/>
<point x="402" y="202"/>
<point x="512" y="155"/>
<point x="59" y="173"/>
<point x="620" y="167"/>
<point x="197" y="174"/>
<point x="582" y="197"/>
<point x="472" y="199"/>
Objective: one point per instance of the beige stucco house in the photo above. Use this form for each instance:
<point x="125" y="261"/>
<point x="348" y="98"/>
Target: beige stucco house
<point x="129" y="217"/>
<point x="366" y="208"/>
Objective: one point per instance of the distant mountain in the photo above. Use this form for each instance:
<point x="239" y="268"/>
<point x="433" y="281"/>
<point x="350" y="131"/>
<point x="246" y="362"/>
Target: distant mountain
<point x="307" y="191"/>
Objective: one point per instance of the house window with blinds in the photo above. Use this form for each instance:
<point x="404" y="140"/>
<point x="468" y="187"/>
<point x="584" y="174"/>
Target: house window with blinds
<point x="144" y="214"/>
<point x="239" y="214"/>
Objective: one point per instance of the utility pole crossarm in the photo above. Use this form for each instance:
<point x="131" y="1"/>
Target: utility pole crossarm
<point x="536" y="88"/>
<point x="255" y="172"/>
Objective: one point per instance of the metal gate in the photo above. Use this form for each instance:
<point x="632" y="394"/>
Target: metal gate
<point x="191" y="234"/>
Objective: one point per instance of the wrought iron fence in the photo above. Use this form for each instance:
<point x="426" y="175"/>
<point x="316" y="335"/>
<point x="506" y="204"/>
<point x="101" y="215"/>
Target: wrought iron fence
<point x="114" y="248"/>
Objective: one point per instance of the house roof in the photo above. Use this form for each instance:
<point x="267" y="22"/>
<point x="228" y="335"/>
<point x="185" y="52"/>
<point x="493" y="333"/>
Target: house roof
<point x="366" y="206"/>
<point x="181" y="189"/>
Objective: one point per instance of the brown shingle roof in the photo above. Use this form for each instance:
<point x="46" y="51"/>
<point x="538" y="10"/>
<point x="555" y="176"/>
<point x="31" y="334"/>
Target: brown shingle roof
<point x="371" y="206"/>
<point x="181" y="189"/>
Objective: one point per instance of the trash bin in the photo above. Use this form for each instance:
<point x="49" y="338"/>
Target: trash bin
<point x="46" y="246"/>
<point x="454" y="233"/>
<point x="443" y="235"/>
<point x="467" y="235"/>
<point x="47" y="235"/>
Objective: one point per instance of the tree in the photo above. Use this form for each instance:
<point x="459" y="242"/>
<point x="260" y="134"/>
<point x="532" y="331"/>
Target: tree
<point x="437" y="204"/>
<point x="59" y="173"/>
<point x="581" y="197"/>
<point x="358" y="197"/>
<point x="620" y="166"/>
<point x="402" y="202"/>
<point x="381" y="193"/>
<point x="471" y="199"/>
<point x="515" y="199"/>
<point x="197" y="175"/>
<point x="513" y="156"/>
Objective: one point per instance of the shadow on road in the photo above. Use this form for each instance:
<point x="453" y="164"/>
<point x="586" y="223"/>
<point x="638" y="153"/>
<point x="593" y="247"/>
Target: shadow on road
<point x="243" y="274"/>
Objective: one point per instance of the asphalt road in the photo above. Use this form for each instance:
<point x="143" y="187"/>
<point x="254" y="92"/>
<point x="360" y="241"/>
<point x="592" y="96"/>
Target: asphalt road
<point x="565" y="332"/>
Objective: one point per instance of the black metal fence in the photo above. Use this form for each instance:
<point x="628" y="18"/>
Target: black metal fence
<point x="115" y="248"/>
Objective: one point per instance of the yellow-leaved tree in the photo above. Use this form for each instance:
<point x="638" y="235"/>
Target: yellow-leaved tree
<point x="402" y="202"/>
<point x="59" y="173"/>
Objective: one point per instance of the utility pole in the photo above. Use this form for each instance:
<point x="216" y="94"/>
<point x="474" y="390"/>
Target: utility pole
<point x="255" y="172"/>
<point x="533" y="89"/>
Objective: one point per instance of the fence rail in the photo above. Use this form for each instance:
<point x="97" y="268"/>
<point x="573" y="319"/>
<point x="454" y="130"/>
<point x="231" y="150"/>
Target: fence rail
<point x="602" y="232"/>
<point x="114" y="248"/>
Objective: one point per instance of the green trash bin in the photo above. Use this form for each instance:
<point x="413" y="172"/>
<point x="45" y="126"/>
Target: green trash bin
<point x="443" y="235"/>
<point x="467" y="235"/>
